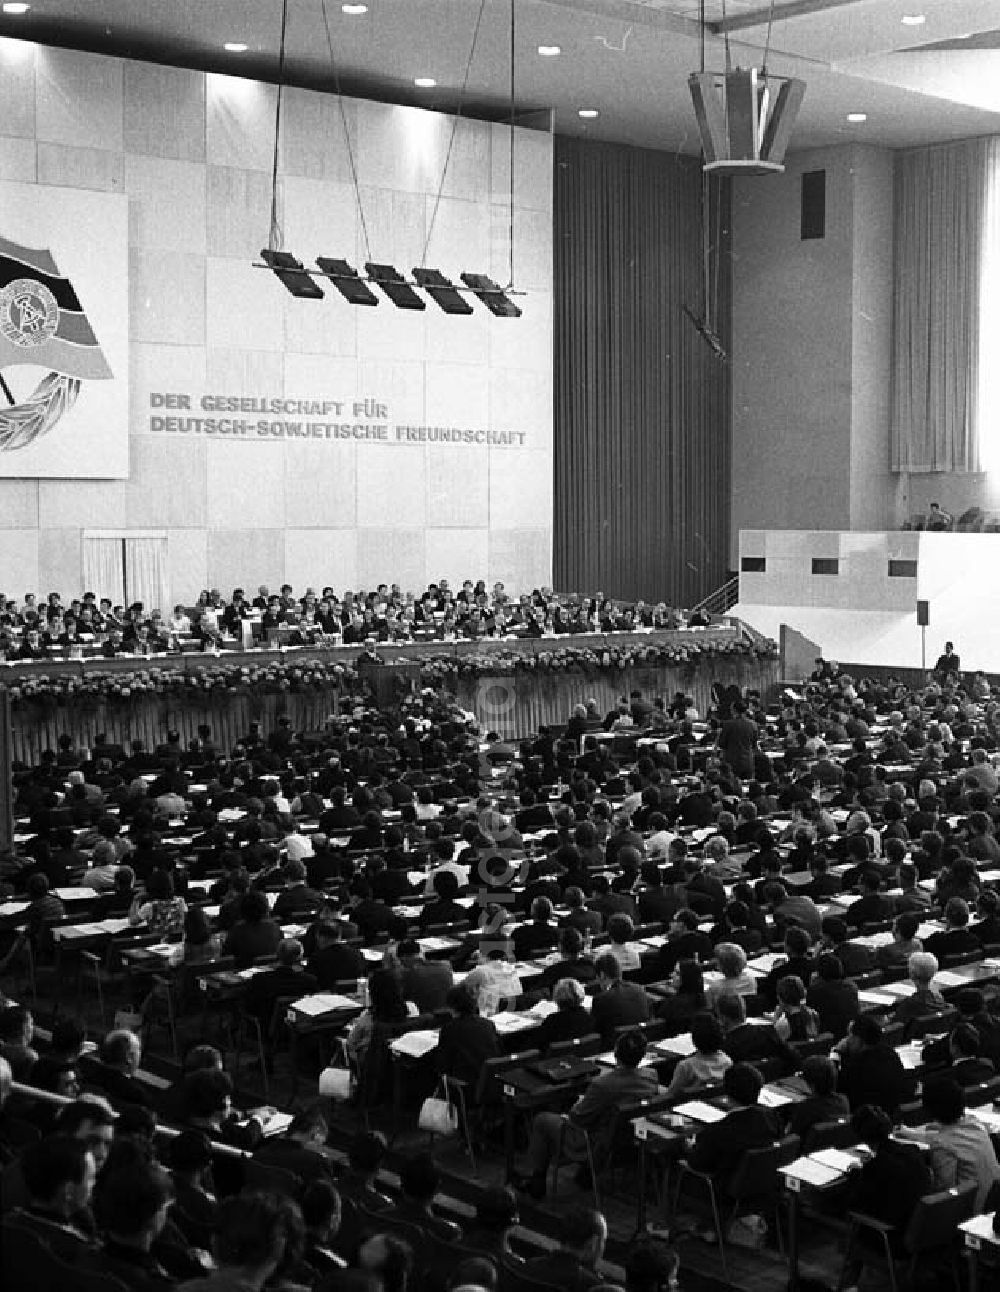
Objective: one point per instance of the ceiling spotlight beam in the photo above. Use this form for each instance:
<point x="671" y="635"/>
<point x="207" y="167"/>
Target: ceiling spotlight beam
<point x="759" y="17"/>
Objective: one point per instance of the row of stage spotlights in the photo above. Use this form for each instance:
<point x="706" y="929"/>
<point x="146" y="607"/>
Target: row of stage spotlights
<point x="301" y="281"/>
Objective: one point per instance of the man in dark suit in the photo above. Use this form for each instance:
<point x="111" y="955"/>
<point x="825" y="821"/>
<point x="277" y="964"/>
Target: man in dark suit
<point x="425" y="982"/>
<point x="618" y="1003"/>
<point x="687" y="942"/>
<point x="955" y="938"/>
<point x="871" y="1072"/>
<point x="445" y="909"/>
<point x="572" y="963"/>
<point x="333" y="960"/>
<point x="592" y="1112"/>
<point x="834" y="999"/>
<point x="296" y="899"/>
<point x="287" y="978"/>
<point x="114" y="1074"/>
<point x="540" y="934"/>
<point x="718" y="1147"/>
<point x="300" y="1149"/>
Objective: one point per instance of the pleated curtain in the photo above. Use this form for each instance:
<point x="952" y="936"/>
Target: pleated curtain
<point x="104" y="568"/>
<point x="146" y="573"/>
<point x="642" y="406"/>
<point x="946" y="250"/>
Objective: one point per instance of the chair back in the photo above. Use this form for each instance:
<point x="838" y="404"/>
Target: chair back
<point x="491" y="1073"/>
<point x="756" y="1175"/>
<point x="943" y="1021"/>
<point x="514" y="1279"/>
<point x="821" y="1044"/>
<point x="936" y="1218"/>
<point x="580" y="1047"/>
<point x="833" y="1134"/>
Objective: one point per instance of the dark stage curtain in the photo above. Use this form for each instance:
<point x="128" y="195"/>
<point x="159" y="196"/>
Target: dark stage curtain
<point x="642" y="406"/>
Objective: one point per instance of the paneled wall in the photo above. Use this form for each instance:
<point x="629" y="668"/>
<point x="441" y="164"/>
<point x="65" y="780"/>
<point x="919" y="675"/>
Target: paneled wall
<point x="193" y="154"/>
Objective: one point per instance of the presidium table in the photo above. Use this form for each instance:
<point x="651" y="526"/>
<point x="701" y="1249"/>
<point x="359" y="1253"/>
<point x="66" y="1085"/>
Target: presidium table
<point x="511" y="685"/>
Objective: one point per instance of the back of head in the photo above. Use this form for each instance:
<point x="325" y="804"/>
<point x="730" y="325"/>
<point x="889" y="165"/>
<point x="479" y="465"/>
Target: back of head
<point x="922" y="966"/>
<point x="630" y="1048"/>
<point x="820" y="1074"/>
<point x="706" y="1033"/>
<point x="50" y="1165"/>
<point x="943" y="1100"/>
<point x="743" y="1083"/>
<point x="251" y="1233"/>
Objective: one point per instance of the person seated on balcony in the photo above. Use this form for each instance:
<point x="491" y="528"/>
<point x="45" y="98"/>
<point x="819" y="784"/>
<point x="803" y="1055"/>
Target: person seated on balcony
<point x="937" y="520"/>
<point x="955" y="938"/>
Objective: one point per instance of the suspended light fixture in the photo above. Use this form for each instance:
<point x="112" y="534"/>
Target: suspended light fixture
<point x="745" y="115"/>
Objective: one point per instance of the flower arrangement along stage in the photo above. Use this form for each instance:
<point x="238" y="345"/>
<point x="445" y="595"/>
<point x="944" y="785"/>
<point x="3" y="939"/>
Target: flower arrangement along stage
<point x="570" y="659"/>
<point x="198" y="684"/>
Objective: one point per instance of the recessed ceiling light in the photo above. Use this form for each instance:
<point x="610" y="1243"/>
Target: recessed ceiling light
<point x="588" y="114"/>
<point x="549" y="51"/>
<point x="857" y="117"/>
<point x="235" y="47"/>
<point x="16" y="8"/>
<point x="913" y="19"/>
<point x="353" y="10"/>
<point x="424" y="82"/>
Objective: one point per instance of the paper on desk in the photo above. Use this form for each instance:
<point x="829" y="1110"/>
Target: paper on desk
<point x="323" y="1003"/>
<point x="437" y="944"/>
<point x="657" y="940"/>
<point x="880" y="999"/>
<point x="989" y="1117"/>
<point x="948" y="978"/>
<point x="415" y="1044"/>
<point x="910" y="1054"/>
<point x="682" y="1045"/>
<point x="809" y="1171"/>
<point x="699" y="1111"/>
<point x="508" y="1022"/>
<point x="772" y="1097"/>
<point x="766" y="962"/>
<point x="836" y="1159"/>
<point x="543" y="1009"/>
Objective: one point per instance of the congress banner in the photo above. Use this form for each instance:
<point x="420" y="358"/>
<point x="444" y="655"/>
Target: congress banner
<point x="64" y="318"/>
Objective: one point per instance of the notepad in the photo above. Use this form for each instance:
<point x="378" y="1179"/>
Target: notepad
<point x="415" y="1044"/>
<point x="809" y="1171"/>
<point x="323" y="1003"/>
<point x="772" y="1097"/>
<point x="698" y="1111"/>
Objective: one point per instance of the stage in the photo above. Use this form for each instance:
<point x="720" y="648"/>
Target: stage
<point x="512" y="700"/>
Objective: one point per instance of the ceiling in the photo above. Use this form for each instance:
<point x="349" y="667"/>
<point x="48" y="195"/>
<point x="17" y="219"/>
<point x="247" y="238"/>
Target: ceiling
<point x="629" y="59"/>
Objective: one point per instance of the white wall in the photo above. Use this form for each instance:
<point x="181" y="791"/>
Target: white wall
<point x="862" y="615"/>
<point x="193" y="154"/>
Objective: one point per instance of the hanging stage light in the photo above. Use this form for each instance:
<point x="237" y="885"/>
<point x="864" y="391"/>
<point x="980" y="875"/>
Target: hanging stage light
<point x="347" y="281"/>
<point x="493" y="297"/>
<point x="292" y="273"/>
<point x="395" y="286"/>
<point x="442" y="291"/>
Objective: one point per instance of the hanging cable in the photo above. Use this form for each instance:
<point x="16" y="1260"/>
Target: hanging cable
<point x="274" y="237"/>
<point x="454" y="128"/>
<point x="725" y="37"/>
<point x="767" y="42"/>
<point x="513" y="107"/>
<point x="347" y="133"/>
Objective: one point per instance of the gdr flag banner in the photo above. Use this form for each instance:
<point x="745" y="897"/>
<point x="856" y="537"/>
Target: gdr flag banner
<point x="64" y="344"/>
